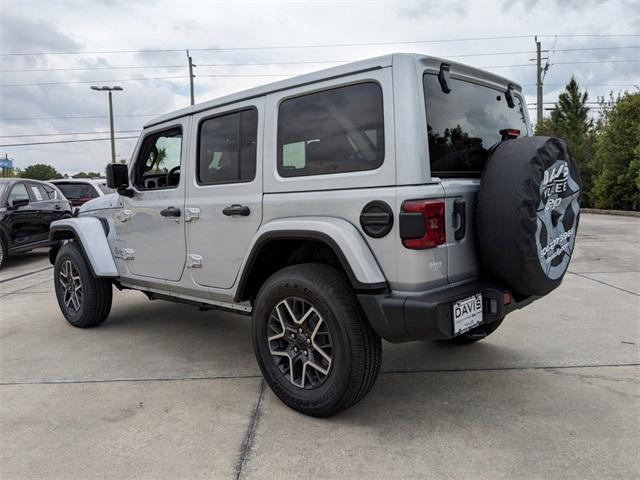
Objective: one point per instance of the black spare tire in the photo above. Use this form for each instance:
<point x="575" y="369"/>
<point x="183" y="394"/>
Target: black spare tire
<point x="528" y="212"/>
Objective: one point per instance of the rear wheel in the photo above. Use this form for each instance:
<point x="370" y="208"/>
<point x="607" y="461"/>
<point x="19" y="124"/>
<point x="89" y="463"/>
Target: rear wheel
<point x="316" y="350"/>
<point x="85" y="301"/>
<point x="475" y="334"/>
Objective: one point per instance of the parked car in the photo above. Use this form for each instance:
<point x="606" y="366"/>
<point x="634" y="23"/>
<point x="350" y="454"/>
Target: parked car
<point x="400" y="197"/>
<point x="81" y="190"/>
<point x="27" y="208"/>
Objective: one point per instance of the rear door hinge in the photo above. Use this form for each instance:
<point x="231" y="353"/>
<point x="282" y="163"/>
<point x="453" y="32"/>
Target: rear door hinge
<point x="191" y="214"/>
<point x="194" y="261"/>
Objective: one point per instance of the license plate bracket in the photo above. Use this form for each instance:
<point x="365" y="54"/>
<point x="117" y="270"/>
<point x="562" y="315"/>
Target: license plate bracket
<point x="467" y="313"/>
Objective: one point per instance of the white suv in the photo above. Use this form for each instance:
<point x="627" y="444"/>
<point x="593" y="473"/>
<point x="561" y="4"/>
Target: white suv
<point x="399" y="197"/>
<point x="80" y="190"/>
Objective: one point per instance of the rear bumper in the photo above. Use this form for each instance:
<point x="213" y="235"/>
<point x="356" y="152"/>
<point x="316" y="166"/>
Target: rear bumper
<point x="403" y="318"/>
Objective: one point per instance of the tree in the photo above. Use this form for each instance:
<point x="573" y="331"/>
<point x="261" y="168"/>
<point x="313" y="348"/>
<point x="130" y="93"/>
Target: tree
<point x="570" y="121"/>
<point x="40" y="171"/>
<point x="617" y="156"/>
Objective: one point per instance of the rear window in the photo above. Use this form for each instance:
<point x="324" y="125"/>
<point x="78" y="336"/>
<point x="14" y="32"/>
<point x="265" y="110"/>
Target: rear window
<point x="77" y="191"/>
<point x="333" y="131"/>
<point x="464" y="123"/>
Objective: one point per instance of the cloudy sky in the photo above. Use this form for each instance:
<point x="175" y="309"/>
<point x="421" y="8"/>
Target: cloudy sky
<point x="140" y="45"/>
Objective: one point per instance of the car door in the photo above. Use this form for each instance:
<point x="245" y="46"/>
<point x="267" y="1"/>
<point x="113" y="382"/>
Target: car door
<point x="151" y="225"/>
<point x="224" y="198"/>
<point x="59" y="204"/>
<point x="21" y="220"/>
<point x="43" y="209"/>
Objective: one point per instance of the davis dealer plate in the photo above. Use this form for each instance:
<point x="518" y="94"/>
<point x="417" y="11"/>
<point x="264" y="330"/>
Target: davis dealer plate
<point x="467" y="313"/>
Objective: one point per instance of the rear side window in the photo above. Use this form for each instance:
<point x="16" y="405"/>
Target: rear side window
<point x="333" y="131"/>
<point x="227" y="151"/>
<point x="37" y="193"/>
<point x="51" y="192"/>
<point x="464" y="123"/>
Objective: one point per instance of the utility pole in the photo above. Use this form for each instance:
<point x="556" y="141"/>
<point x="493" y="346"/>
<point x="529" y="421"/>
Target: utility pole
<point x="113" y="140"/>
<point x="539" y="104"/>
<point x="191" y="76"/>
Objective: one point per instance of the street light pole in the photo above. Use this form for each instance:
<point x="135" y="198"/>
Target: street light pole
<point x="113" y="140"/>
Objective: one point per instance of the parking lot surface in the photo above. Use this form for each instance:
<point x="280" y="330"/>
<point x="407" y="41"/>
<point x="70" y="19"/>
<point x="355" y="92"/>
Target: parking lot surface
<point x="164" y="391"/>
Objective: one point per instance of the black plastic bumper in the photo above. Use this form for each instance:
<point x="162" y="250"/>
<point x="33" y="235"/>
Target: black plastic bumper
<point x="429" y="315"/>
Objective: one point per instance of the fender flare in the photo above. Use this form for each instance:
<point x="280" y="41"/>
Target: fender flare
<point x="91" y="233"/>
<point x="342" y="237"/>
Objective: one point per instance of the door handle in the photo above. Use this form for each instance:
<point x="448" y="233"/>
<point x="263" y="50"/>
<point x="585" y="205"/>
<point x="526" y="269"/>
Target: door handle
<point x="236" y="209"/>
<point x="170" y="212"/>
<point x="57" y="207"/>
<point x="460" y="211"/>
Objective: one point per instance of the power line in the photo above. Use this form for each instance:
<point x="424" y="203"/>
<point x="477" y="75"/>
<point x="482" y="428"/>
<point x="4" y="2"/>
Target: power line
<point x="227" y="75"/>
<point x="139" y="79"/>
<point x="271" y="47"/>
<point x="237" y="64"/>
<point x="71" y="117"/>
<point x="326" y="45"/>
<point x="64" y="141"/>
<point x="64" y="134"/>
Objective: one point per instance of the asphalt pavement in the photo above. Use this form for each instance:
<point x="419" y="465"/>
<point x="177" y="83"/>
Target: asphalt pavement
<point x="163" y="390"/>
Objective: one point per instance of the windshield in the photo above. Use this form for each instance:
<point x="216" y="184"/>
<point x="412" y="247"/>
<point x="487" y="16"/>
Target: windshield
<point x="106" y="190"/>
<point x="77" y="191"/>
<point x="466" y="122"/>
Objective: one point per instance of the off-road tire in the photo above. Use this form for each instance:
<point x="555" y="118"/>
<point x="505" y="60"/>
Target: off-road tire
<point x="95" y="301"/>
<point x="356" y="348"/>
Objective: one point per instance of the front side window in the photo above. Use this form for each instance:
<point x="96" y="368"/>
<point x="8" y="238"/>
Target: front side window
<point x="158" y="164"/>
<point x="18" y="192"/>
<point x="464" y="123"/>
<point x="333" y="131"/>
<point x="227" y="151"/>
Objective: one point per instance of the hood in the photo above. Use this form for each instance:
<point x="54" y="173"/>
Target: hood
<point x="100" y="203"/>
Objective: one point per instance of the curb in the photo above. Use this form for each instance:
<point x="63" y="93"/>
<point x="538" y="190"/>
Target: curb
<point x="618" y="213"/>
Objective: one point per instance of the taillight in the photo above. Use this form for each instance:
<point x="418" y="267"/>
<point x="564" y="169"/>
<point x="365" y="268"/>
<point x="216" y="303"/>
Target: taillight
<point x="422" y="224"/>
<point x="508" y="133"/>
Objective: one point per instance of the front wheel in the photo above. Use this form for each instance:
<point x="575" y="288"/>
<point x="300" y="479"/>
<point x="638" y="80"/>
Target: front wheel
<point x="85" y="301"/>
<point x="316" y="350"/>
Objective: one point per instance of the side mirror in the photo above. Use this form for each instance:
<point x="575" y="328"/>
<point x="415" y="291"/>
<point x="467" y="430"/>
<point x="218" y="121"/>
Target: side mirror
<point x="118" y="178"/>
<point x="19" y="202"/>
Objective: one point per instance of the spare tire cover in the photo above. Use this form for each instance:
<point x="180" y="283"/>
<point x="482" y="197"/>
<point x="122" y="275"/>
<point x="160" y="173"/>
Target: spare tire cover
<point x="528" y="212"/>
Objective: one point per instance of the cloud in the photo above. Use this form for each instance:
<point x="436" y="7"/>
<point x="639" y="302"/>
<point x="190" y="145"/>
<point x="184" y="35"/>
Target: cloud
<point x="97" y="26"/>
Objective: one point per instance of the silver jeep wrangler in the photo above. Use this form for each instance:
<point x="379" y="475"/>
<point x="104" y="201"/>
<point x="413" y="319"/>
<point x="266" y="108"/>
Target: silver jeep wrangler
<point x="400" y="197"/>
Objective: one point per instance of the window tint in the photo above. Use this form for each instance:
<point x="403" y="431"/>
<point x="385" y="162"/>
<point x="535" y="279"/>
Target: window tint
<point x="18" y="192"/>
<point x="338" y="130"/>
<point x="227" y="151"/>
<point x="77" y="190"/>
<point x="158" y="164"/>
<point x="464" y="123"/>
